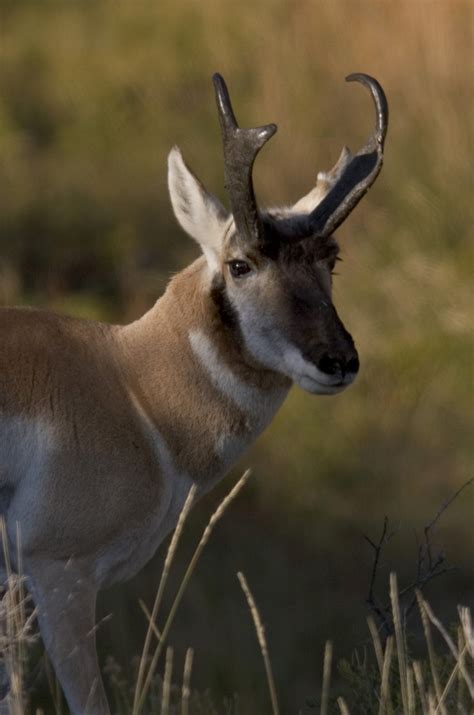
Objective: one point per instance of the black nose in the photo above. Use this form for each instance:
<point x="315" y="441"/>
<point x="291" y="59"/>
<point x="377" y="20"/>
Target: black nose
<point x="334" y="364"/>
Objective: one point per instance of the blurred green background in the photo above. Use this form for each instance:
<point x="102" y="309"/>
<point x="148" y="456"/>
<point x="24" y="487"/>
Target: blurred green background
<point x="92" y="97"/>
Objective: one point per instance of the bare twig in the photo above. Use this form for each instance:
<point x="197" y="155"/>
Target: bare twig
<point x="383" y="613"/>
<point x="430" y="565"/>
<point x="429" y="527"/>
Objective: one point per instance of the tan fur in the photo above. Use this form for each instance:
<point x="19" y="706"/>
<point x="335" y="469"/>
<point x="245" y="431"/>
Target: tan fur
<point x="164" y="374"/>
<point x="83" y="406"/>
<point x="83" y="377"/>
<point x="103" y="429"/>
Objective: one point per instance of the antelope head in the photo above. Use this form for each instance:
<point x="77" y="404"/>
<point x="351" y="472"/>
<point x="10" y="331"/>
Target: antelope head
<point x="273" y="268"/>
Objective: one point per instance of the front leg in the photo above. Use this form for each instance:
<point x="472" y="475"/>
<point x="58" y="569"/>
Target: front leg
<point x="66" y="602"/>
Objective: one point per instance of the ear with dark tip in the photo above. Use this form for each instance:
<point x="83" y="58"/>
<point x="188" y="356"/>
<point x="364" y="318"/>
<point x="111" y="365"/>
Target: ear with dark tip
<point x="241" y="146"/>
<point x="355" y="174"/>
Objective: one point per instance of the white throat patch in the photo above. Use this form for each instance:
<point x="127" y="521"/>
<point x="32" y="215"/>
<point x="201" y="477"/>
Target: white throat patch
<point x="258" y="404"/>
<point x="246" y="397"/>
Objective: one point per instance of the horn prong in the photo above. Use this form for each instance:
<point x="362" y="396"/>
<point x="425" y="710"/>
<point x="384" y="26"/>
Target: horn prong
<point x="356" y="175"/>
<point x="241" y="146"/>
<point x="224" y="105"/>
<point x="380" y="101"/>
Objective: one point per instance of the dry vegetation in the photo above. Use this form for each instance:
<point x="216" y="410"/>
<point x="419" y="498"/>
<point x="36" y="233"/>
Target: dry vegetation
<point x="92" y="96"/>
<point x="400" y="683"/>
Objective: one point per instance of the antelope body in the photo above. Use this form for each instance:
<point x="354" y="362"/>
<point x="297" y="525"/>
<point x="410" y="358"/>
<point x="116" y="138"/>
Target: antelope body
<point x="104" y="428"/>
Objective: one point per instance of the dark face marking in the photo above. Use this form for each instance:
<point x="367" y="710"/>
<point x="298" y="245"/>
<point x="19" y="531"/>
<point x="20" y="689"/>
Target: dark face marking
<point x="225" y="310"/>
<point x="317" y="329"/>
<point x="287" y="299"/>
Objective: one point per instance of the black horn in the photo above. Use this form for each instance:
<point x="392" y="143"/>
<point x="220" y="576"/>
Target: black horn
<point x="241" y="146"/>
<point x="357" y="173"/>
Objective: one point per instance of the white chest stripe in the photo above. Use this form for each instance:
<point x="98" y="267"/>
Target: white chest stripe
<point x="247" y="398"/>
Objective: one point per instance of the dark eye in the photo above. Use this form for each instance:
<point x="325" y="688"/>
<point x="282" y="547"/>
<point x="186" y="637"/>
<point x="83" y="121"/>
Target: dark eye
<point x="238" y="268"/>
<point x="332" y="264"/>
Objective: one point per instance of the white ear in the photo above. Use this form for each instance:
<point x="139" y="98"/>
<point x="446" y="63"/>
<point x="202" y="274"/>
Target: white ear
<point x="324" y="183"/>
<point x="199" y="213"/>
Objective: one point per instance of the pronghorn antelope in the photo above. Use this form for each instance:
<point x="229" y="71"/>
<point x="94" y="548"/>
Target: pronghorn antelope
<point x="104" y="428"/>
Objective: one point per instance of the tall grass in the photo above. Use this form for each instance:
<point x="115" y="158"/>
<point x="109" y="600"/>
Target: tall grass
<point x="16" y="627"/>
<point x="405" y="688"/>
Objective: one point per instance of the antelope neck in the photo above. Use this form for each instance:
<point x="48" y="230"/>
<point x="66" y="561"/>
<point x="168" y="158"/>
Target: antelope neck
<point x="186" y="358"/>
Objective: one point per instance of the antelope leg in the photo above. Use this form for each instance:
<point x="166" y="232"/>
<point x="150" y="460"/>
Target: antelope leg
<point x="66" y="602"/>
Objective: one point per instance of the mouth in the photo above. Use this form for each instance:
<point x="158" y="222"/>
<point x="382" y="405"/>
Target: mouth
<point x="317" y="387"/>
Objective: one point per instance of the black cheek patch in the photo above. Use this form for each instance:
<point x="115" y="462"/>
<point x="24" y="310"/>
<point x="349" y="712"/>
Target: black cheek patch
<point x="225" y="310"/>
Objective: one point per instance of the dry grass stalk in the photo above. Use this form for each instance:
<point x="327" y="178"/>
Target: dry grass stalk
<point x="421" y="686"/>
<point x="411" y="691"/>
<point x="165" y="701"/>
<point x="260" y="630"/>
<point x="459" y="661"/>
<point x="342" y="706"/>
<point x="385" y="687"/>
<point x="377" y="642"/>
<point x="450" y="681"/>
<point x="431" y="653"/>
<point x="159" y="594"/>
<point x="461" y="684"/>
<point x="16" y="627"/>
<point x="147" y="613"/>
<point x="467" y="628"/>
<point x="397" y="622"/>
<point x="218" y="514"/>
<point x="326" y="677"/>
<point x="465" y="636"/>
<point x="186" y="691"/>
<point x="16" y="633"/>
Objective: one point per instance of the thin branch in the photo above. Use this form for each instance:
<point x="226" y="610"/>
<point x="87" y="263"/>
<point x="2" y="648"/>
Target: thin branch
<point x="429" y="527"/>
<point x="448" y="503"/>
<point x="377" y="548"/>
<point x="428" y="567"/>
<point x="382" y="613"/>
